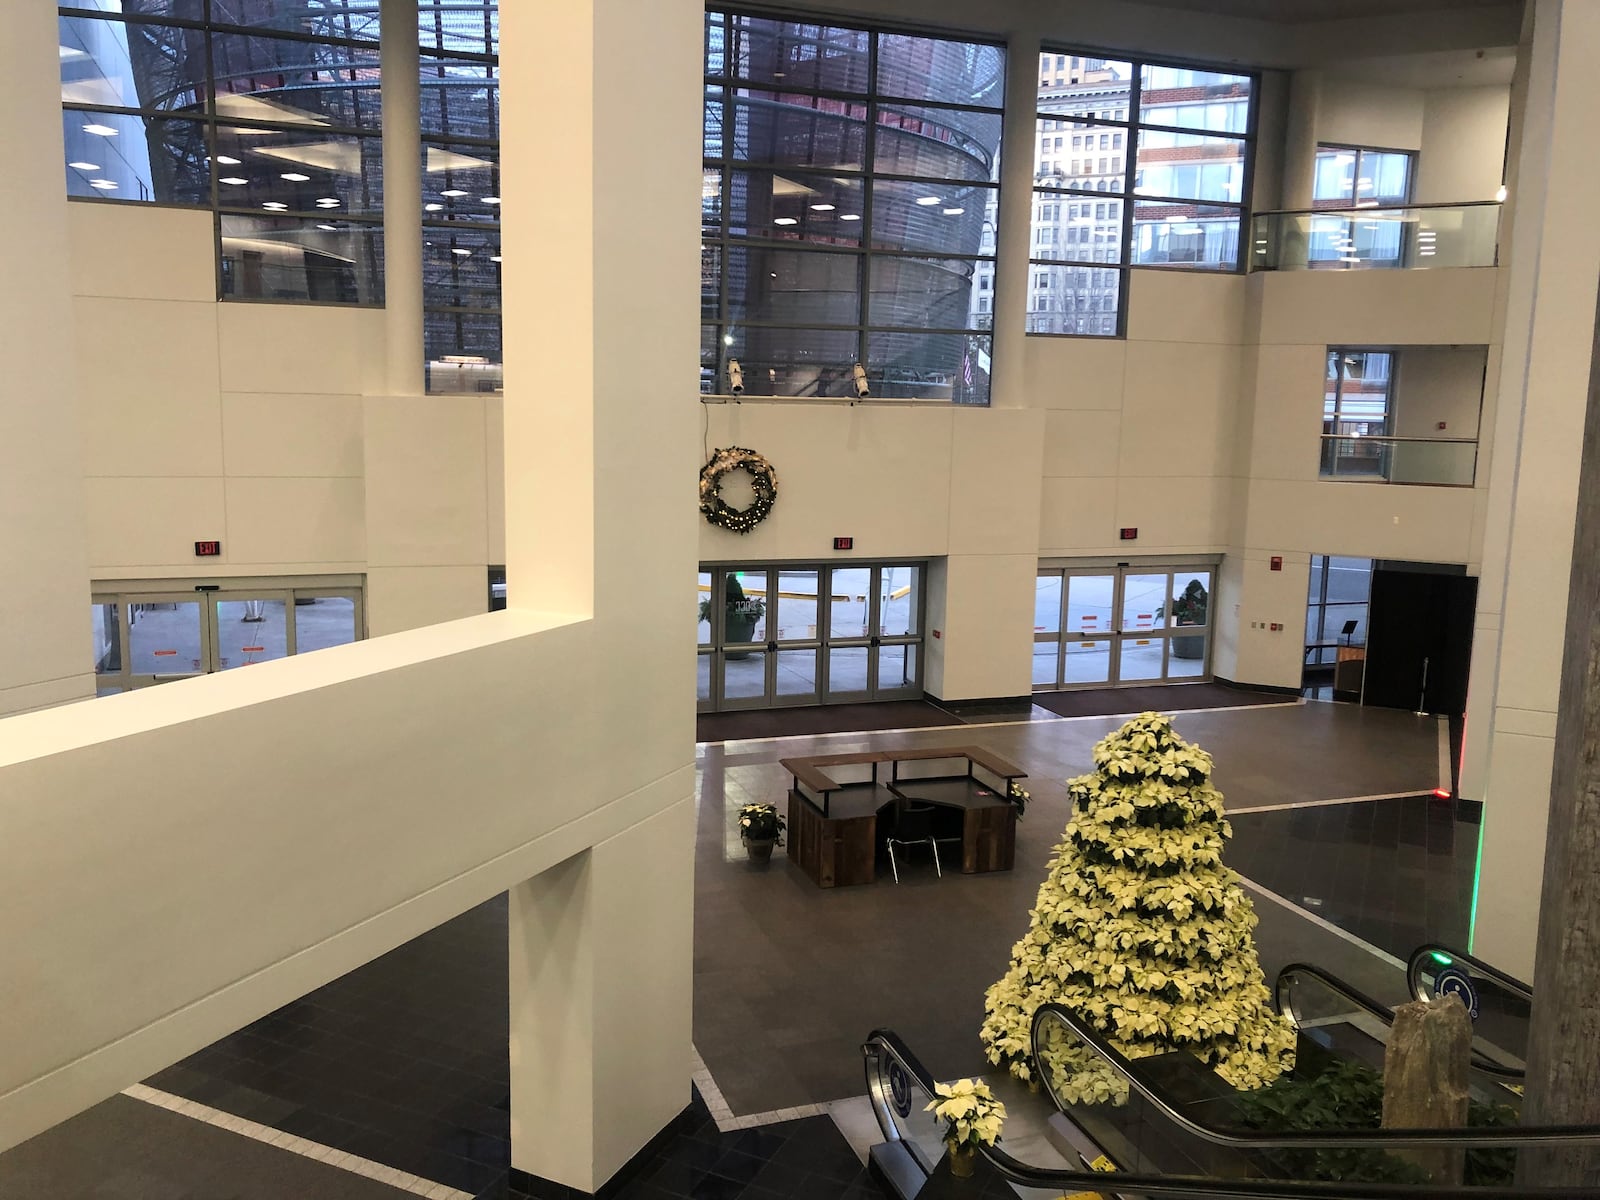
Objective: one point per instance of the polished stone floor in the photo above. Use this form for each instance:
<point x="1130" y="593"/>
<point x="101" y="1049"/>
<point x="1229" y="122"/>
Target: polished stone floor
<point x="402" y="1063"/>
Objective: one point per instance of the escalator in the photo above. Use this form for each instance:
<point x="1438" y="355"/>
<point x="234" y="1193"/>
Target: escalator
<point x="1183" y="1132"/>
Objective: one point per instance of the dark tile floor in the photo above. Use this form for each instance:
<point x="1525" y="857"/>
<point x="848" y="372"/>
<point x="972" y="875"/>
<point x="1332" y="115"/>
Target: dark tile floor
<point x="1174" y="697"/>
<point x="807" y="1159"/>
<point x="830" y="718"/>
<point x="403" y="1061"/>
<point x="1395" y="873"/>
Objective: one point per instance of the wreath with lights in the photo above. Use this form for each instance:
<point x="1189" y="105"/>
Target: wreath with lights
<point x="717" y="510"/>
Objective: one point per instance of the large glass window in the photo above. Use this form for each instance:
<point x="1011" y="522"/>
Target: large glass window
<point x="847" y="212"/>
<point x="1356" y="412"/>
<point x="270" y="114"/>
<point x="1349" y="177"/>
<point x="1164" y="186"/>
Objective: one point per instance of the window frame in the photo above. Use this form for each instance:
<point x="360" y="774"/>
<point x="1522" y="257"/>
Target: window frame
<point x="1125" y="123"/>
<point x="864" y="253"/>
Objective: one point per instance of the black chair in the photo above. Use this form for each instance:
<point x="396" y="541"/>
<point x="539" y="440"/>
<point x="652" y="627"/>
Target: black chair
<point x="913" y="826"/>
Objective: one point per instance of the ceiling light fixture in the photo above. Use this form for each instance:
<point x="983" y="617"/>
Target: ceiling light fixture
<point x="494" y="258"/>
<point x="234" y="181"/>
<point x="849" y="216"/>
<point x="954" y="212"/>
<point x="100" y="130"/>
<point x="84" y="166"/>
<point x="823" y="207"/>
<point x="295" y="177"/>
<point x="274" y="205"/>
<point x="105" y="185"/>
<point x="226" y="160"/>
<point x="927" y="200"/>
<point x="785" y="221"/>
<point x="452" y="193"/>
<point x="460" y="251"/>
<point x="329" y="228"/>
<point x="432" y="207"/>
<point x="491" y="199"/>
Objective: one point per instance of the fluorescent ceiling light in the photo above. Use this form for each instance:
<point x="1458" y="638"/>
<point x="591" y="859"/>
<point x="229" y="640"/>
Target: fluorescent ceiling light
<point x="491" y="199"/>
<point x="329" y="228"/>
<point x="452" y="193"/>
<point x="494" y="258"/>
<point x="954" y="212"/>
<point x="849" y="216"/>
<point x="275" y="205"/>
<point x="226" y="160"/>
<point x="105" y="185"/>
<point x="785" y="221"/>
<point x="295" y="177"/>
<point x="823" y="207"/>
<point x="100" y="130"/>
<point x="463" y="253"/>
<point x="71" y="52"/>
<point x="234" y="180"/>
<point x="432" y="208"/>
<point x="84" y="166"/>
<point x="927" y="200"/>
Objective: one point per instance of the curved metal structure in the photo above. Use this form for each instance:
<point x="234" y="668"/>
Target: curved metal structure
<point x="1429" y="955"/>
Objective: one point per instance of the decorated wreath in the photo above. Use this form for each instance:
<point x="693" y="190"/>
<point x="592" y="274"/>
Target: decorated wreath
<point x="718" y="511"/>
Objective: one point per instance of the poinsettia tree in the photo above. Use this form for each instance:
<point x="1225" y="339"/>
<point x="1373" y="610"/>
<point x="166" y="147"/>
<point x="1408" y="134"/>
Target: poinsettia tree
<point x="1140" y="928"/>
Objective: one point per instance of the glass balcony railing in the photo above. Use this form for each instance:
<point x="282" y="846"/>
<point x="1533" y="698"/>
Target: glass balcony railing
<point x="1405" y="237"/>
<point x="1442" y="462"/>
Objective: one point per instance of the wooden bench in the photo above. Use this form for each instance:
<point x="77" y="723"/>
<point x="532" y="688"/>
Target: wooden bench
<point x="835" y="800"/>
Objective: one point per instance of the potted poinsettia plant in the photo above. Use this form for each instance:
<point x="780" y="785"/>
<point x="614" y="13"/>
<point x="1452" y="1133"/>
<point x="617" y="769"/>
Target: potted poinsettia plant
<point x="761" y="826"/>
<point x="972" y="1117"/>
<point x="1189" y="607"/>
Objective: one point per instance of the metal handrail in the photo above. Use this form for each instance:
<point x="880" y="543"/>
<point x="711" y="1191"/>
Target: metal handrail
<point x="1420" y="956"/>
<point x="1283" y="1001"/>
<point x="1391" y="437"/>
<point x="1520" y="1135"/>
<point x="1371" y="208"/>
<point x="883" y="1046"/>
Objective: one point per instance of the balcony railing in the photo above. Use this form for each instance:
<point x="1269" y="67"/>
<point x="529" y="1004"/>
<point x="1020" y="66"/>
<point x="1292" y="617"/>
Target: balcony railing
<point x="1441" y="462"/>
<point x="1407" y="237"/>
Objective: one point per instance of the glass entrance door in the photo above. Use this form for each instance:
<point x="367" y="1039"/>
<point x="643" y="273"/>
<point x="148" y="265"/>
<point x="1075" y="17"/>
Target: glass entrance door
<point x="142" y="638"/>
<point x="772" y="636"/>
<point x="1120" y="625"/>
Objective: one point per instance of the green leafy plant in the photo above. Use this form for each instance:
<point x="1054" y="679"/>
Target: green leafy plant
<point x="1190" y="606"/>
<point x="761" y="823"/>
<point x="971" y="1114"/>
<point x="1019" y="799"/>
<point x="1140" y="928"/>
<point x="737" y="603"/>
<point x="1348" y="1094"/>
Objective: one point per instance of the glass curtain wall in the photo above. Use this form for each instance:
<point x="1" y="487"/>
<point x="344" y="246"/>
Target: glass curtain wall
<point x="1340" y="592"/>
<point x="847" y="208"/>
<point x="269" y="113"/>
<point x="1135" y="164"/>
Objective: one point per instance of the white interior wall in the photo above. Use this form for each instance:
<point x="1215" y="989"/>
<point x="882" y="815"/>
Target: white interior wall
<point x="1357" y="112"/>
<point x="1522" y="607"/>
<point x="44" y="629"/>
<point x="196" y="426"/>
<point x="1463" y="144"/>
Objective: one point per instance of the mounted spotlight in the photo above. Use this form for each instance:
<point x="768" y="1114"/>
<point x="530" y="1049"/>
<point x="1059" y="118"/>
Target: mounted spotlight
<point x="863" y="388"/>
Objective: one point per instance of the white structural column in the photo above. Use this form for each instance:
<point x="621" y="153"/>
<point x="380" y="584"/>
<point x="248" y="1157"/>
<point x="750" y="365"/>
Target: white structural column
<point x="597" y="946"/>
<point x="402" y="198"/>
<point x="45" y="647"/>
<point x="1013" y="237"/>
<point x="1549" y="322"/>
<point x="602" y="429"/>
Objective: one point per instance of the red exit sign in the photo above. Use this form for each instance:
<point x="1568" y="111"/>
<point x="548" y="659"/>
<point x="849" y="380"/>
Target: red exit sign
<point x="1129" y="533"/>
<point x="207" y="549"/>
<point x="848" y="543"/>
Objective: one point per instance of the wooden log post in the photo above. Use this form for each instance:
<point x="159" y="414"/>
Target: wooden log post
<point x="1425" y="1079"/>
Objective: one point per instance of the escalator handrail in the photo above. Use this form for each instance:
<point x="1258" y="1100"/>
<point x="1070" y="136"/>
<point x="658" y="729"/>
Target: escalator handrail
<point x="1515" y="1135"/>
<point x="885" y="1043"/>
<point x="1283" y="1000"/>
<point x="1421" y="956"/>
